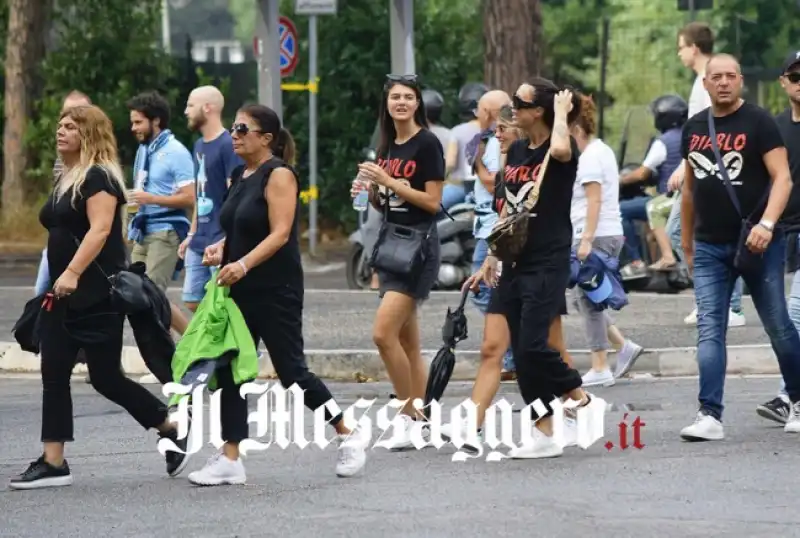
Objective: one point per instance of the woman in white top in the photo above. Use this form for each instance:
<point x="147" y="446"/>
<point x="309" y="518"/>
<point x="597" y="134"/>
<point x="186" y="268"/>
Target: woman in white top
<point x="597" y="225"/>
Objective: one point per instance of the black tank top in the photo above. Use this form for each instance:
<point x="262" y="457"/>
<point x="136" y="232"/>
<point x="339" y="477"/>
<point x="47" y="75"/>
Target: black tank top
<point x="244" y="218"/>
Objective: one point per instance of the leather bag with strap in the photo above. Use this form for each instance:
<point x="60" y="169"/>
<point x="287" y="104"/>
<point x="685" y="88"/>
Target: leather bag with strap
<point x="510" y="235"/>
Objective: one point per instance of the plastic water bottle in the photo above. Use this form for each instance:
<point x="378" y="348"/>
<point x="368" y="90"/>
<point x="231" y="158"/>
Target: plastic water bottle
<point x="361" y="201"/>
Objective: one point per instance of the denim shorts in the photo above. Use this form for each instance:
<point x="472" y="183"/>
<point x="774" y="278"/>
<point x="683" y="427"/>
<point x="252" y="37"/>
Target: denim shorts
<point x="197" y="276"/>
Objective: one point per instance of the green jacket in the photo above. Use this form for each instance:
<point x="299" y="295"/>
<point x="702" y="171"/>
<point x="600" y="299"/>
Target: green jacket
<point x="216" y="329"/>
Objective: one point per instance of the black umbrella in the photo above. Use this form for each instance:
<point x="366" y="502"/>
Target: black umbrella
<point x="453" y="331"/>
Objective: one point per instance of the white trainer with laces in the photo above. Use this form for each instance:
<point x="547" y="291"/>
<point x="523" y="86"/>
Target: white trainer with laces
<point x="793" y="422"/>
<point x="218" y="471"/>
<point x="704" y="428"/>
<point x="352" y="452"/>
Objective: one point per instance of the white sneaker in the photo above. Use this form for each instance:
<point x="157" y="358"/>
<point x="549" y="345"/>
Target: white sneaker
<point x="736" y="319"/>
<point x="541" y="447"/>
<point x="593" y="378"/>
<point x="149" y="379"/>
<point x="352" y="452"/>
<point x="449" y="431"/>
<point x="219" y="470"/>
<point x="793" y="422"/>
<point x="705" y="428"/>
<point x="400" y="437"/>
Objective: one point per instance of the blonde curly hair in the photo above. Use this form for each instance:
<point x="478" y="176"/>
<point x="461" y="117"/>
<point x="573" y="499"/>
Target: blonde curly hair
<point x="98" y="148"/>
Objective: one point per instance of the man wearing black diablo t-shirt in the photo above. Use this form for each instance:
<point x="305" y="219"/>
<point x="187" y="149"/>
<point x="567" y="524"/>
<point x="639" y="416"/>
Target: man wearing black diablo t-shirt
<point x="750" y="160"/>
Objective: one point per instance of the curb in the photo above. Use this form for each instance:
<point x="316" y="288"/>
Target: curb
<point x="366" y="365"/>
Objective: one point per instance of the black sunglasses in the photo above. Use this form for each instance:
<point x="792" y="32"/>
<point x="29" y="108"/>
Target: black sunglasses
<point x="410" y="80"/>
<point x="794" y="78"/>
<point x="242" y="129"/>
<point x="519" y="104"/>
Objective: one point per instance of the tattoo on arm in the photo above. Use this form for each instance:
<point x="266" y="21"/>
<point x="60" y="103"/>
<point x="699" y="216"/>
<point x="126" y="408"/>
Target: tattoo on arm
<point x="560" y="130"/>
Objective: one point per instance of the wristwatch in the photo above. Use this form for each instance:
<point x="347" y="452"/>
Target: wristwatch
<point x="767" y="224"/>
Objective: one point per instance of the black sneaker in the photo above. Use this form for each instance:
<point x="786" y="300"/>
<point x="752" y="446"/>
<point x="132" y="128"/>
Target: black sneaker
<point x="41" y="474"/>
<point x="176" y="461"/>
<point x="776" y="410"/>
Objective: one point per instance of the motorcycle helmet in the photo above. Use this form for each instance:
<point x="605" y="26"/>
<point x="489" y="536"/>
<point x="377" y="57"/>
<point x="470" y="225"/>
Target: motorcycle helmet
<point x="468" y="97"/>
<point x="669" y="111"/>
<point x="434" y="103"/>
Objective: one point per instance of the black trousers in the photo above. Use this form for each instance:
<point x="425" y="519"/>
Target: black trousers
<point x="98" y="332"/>
<point x="276" y="318"/>
<point x="530" y="301"/>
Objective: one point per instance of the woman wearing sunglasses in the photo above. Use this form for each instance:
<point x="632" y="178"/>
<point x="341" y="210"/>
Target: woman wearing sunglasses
<point x="260" y="261"/>
<point x="530" y="292"/>
<point x="406" y="185"/>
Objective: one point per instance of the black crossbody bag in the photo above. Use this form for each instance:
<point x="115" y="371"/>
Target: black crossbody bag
<point x="745" y="260"/>
<point x="400" y="250"/>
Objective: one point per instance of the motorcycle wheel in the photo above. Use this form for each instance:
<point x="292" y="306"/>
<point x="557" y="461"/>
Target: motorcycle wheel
<point x="358" y="277"/>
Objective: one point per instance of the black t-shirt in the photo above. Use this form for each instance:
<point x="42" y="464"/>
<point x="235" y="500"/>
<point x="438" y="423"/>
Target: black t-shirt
<point x="550" y="228"/>
<point x="415" y="162"/>
<point x="244" y="218"/>
<point x="67" y="226"/>
<point x="790" y="130"/>
<point x="744" y="137"/>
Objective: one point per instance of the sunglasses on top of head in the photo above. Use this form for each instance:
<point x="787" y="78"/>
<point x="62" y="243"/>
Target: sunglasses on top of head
<point x="409" y="80"/>
<point x="243" y="129"/>
<point x="794" y="77"/>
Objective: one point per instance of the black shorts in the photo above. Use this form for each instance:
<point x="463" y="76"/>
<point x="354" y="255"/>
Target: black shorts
<point x="419" y="287"/>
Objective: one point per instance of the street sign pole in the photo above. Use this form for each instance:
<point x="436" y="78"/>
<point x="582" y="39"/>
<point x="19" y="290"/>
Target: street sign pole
<point x="268" y="52"/>
<point x="312" y="133"/>
<point x="313" y="8"/>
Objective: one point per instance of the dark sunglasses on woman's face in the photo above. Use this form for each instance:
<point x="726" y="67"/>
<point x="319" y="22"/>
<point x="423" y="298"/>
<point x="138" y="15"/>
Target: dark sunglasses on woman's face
<point x="242" y="129"/>
<point x="794" y="78"/>
<point x="519" y="104"/>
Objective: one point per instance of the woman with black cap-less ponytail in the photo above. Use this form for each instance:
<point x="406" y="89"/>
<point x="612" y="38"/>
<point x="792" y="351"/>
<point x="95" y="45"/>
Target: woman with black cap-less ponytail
<point x="530" y="292"/>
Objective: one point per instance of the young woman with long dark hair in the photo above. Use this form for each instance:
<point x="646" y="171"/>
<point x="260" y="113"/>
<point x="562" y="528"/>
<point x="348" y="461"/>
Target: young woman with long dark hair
<point x="409" y="177"/>
<point x="85" y="244"/>
<point x="530" y="291"/>
<point x="260" y="260"/>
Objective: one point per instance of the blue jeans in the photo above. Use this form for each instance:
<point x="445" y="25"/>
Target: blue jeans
<point x="714" y="277"/>
<point x="452" y="195"/>
<point x="631" y="211"/>
<point x="43" y="276"/>
<point x="794" y="313"/>
<point x="197" y="276"/>
<point x="674" y="233"/>
<point x="481" y="299"/>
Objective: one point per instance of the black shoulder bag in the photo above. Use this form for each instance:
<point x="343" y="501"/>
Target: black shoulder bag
<point x="400" y="250"/>
<point x="746" y="261"/>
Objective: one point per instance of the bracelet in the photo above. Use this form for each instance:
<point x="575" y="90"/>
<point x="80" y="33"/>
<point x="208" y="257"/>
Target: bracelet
<point x="190" y="234"/>
<point x="244" y="267"/>
<point x="74" y="272"/>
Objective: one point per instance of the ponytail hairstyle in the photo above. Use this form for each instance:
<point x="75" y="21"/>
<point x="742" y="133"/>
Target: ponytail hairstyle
<point x="586" y="118"/>
<point x="284" y="148"/>
<point x="544" y="96"/>
<point x="282" y="143"/>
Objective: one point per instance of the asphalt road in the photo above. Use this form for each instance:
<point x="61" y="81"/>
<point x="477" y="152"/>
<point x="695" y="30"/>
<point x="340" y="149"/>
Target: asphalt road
<point x="736" y="488"/>
<point x="336" y="318"/>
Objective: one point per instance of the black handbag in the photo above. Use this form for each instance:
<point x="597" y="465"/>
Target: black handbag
<point x="400" y="250"/>
<point x="745" y="261"/>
